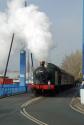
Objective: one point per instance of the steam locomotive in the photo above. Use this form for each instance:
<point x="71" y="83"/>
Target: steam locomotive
<point x="50" y="78"/>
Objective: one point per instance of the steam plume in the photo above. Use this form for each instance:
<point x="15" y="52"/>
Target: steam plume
<point x="31" y="28"/>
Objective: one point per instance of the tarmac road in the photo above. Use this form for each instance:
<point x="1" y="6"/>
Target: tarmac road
<point x="56" y="110"/>
<point x="10" y="110"/>
<point x="50" y="110"/>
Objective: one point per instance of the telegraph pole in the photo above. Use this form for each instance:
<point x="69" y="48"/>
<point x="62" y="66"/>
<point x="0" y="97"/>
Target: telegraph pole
<point x="32" y="61"/>
<point x="25" y="3"/>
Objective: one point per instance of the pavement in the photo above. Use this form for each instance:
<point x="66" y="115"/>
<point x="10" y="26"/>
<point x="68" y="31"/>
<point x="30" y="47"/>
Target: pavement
<point x="76" y="105"/>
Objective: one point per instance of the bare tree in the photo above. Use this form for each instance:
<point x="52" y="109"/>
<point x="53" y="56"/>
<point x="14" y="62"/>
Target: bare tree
<point x="73" y="64"/>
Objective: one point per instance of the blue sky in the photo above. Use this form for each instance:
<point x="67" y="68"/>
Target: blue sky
<point x="66" y="19"/>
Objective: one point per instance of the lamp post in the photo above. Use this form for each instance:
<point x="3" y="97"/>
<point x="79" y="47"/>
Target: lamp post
<point x="82" y="86"/>
<point x="83" y="47"/>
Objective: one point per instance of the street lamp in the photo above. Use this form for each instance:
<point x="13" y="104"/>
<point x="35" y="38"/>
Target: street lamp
<point x="83" y="47"/>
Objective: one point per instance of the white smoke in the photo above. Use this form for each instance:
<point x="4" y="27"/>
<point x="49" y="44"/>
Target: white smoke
<point x="31" y="28"/>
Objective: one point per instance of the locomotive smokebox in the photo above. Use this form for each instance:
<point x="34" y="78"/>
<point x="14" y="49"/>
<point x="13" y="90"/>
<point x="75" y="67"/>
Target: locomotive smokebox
<point x="42" y="63"/>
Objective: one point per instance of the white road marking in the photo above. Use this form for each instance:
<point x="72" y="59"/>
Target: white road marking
<point x="27" y="115"/>
<point x="30" y="101"/>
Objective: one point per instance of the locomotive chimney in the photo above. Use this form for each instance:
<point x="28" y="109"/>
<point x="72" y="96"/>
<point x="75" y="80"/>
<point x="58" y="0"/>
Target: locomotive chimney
<point x="42" y="63"/>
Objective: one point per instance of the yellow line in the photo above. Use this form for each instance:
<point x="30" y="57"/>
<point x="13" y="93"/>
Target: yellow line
<point x="33" y="118"/>
<point x="30" y="101"/>
<point x="35" y="121"/>
<point x="27" y="115"/>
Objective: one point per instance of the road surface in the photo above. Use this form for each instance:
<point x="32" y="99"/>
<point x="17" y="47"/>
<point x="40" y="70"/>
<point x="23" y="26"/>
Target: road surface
<point x="49" y="110"/>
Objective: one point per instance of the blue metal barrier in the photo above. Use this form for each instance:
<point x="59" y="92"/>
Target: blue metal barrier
<point x="11" y="90"/>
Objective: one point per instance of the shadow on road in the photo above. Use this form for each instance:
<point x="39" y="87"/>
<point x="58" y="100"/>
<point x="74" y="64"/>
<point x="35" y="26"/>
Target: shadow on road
<point x="64" y="93"/>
